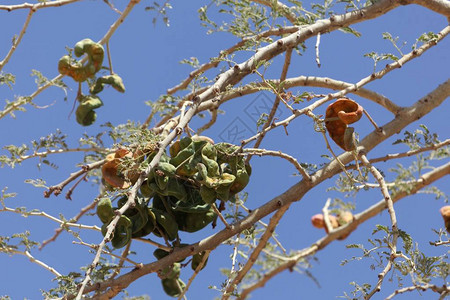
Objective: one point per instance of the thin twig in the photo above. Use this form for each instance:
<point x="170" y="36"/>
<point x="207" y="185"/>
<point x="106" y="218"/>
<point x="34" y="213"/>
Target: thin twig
<point x="62" y="223"/>
<point x="278" y="98"/>
<point x="197" y="270"/>
<point x="442" y="290"/>
<point x="253" y="257"/>
<point x="32" y="259"/>
<point x="292" y="160"/>
<point x="217" y="211"/>
<point x="121" y="257"/>
<point x="37" y="5"/>
<point x="58" y="231"/>
<point x="265" y="225"/>
<point x="210" y="123"/>
<point x="57" y="189"/>
<point x="407" y="153"/>
<point x="151" y="242"/>
<point x="17" y="40"/>
<point x="326" y="216"/>
<point x="394" y="228"/>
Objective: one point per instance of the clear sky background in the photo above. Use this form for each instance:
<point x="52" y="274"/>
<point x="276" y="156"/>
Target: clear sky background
<point x="147" y="58"/>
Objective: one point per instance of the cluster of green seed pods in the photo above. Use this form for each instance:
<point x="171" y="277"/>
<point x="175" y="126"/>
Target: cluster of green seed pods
<point x="76" y="70"/>
<point x="178" y="195"/>
<point x="81" y="72"/>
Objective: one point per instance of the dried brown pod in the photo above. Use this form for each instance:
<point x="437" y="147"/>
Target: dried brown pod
<point x="336" y="221"/>
<point x="445" y="212"/>
<point x="115" y="174"/>
<point x="337" y="117"/>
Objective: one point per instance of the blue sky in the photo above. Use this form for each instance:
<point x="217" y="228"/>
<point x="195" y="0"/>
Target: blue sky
<point x="147" y="57"/>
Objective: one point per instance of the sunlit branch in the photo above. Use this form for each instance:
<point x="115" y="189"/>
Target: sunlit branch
<point x="360" y="218"/>
<point x="59" y="151"/>
<point x="278" y="98"/>
<point x="395" y="233"/>
<point x="292" y="160"/>
<point x="57" y="189"/>
<point x="37" y="5"/>
<point x="440" y="6"/>
<point x="441" y="290"/>
<point x="214" y="62"/>
<point x="54" y="219"/>
<point x="317" y="50"/>
<point x="31" y="258"/>
<point x="323" y="82"/>
<point x="121" y="257"/>
<point x="378" y="75"/>
<point x="16" y="41"/>
<point x="196" y="271"/>
<point x="279" y="5"/>
<point x="58" y="231"/>
<point x="294" y="193"/>
<point x="254" y="255"/>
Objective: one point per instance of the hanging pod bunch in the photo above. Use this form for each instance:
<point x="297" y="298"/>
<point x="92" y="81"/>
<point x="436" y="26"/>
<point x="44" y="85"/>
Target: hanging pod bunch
<point x="180" y="190"/>
<point x="85" y="113"/>
<point x="338" y="116"/>
<point x="219" y="171"/>
<point x="78" y="71"/>
<point x="177" y="195"/>
<point x="136" y="222"/>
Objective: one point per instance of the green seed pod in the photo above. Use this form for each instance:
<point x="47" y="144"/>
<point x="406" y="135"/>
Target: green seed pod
<point x="208" y="194"/>
<point x="138" y="215"/>
<point x="173" y="287"/>
<point x="105" y="212"/>
<point x="78" y="71"/>
<point x="241" y="181"/>
<point x="146" y="191"/>
<point x="167" y="168"/>
<point x="94" y="52"/>
<point x="193" y="222"/>
<point x="121" y="234"/>
<point x="157" y="202"/>
<point x="148" y="227"/>
<point x="188" y="155"/>
<point x="166" y="223"/>
<point x="72" y="69"/>
<point x="85" y="116"/>
<point x="85" y="112"/>
<point x="114" y="80"/>
<point x="197" y="259"/>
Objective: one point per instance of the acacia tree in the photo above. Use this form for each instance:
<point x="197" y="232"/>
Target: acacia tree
<point x="167" y="176"/>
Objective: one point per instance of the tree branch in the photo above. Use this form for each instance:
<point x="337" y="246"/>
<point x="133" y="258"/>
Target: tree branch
<point x="294" y="193"/>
